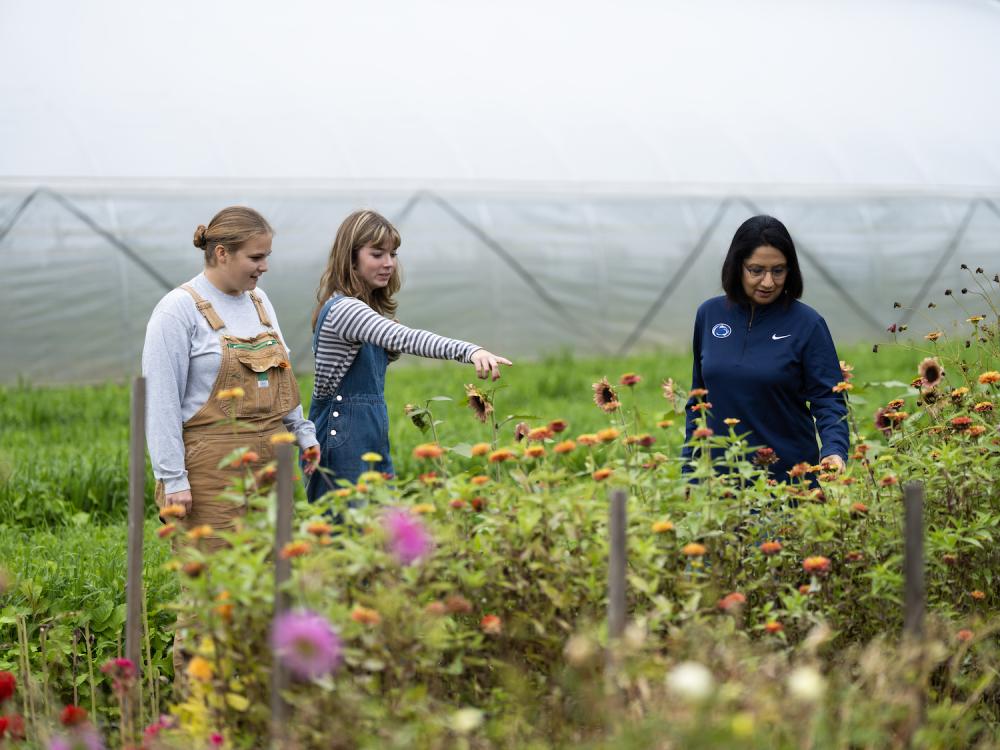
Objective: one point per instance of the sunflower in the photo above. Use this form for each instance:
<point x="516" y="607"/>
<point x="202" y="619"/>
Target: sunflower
<point x="479" y="403"/>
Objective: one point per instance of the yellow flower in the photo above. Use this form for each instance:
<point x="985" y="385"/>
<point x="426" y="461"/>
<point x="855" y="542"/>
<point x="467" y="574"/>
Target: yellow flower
<point x="934" y="335"/>
<point x="662" y="527"/>
<point x="174" y="510"/>
<point x="342" y="493"/>
<point x="665" y="423"/>
<point x="843" y="386"/>
<point x="228" y="394"/>
<point x="200" y="668"/>
<point x="372" y="477"/>
<point x="421" y="508"/>
<point x="974" y="319"/>
<point x="282" y="438"/>
<point x="693" y="549"/>
<point x="371" y="457"/>
<point x="480" y="449"/>
<point x="731" y="421"/>
<point x="607" y="435"/>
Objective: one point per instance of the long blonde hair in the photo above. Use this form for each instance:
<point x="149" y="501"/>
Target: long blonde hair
<point x="364" y="227"/>
<point x="231" y="227"/>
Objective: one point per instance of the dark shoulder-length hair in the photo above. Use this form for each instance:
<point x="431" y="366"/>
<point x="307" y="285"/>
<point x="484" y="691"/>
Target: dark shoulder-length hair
<point x="753" y="233"/>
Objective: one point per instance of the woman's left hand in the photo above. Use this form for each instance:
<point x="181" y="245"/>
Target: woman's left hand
<point x="310" y="459"/>
<point x="833" y="463"/>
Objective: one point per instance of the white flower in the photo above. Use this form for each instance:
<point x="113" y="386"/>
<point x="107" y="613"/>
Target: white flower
<point x="466" y="720"/>
<point x="691" y="680"/>
<point x="806" y="684"/>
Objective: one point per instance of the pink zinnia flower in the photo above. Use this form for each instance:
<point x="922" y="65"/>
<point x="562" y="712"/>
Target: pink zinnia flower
<point x="407" y="537"/>
<point x="306" y="644"/>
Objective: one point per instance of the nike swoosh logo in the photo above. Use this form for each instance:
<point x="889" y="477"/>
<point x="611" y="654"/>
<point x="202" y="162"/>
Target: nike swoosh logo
<point x="776" y="337"/>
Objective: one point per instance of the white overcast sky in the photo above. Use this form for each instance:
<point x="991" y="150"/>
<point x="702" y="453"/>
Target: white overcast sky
<point x="895" y="93"/>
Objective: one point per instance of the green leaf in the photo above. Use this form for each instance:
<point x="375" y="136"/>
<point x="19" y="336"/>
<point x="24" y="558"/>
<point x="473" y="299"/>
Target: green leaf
<point x="237" y="702"/>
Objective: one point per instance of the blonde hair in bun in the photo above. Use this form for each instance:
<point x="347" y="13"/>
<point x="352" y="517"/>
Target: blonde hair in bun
<point x="231" y="228"/>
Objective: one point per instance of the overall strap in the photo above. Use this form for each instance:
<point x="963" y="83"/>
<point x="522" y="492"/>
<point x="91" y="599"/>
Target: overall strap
<point x="205" y="308"/>
<point x="322" y="316"/>
<point x="261" y="313"/>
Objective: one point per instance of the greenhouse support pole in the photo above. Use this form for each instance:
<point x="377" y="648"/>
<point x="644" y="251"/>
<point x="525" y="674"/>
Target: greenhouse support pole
<point x="282" y="572"/>
<point x="915" y="594"/>
<point x="136" y="515"/>
<point x="616" y="566"/>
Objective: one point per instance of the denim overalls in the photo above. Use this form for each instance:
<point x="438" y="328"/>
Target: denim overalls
<point x="352" y="421"/>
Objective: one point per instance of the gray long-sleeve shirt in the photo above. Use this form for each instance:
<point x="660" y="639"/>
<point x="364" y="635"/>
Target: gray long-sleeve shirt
<point x="180" y="361"/>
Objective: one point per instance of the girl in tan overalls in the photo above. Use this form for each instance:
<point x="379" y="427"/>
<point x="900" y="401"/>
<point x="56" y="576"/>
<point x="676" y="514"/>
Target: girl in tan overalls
<point x="216" y="333"/>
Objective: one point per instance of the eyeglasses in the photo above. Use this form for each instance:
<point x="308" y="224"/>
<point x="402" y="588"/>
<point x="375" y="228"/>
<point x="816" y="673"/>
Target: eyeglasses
<point x="757" y="272"/>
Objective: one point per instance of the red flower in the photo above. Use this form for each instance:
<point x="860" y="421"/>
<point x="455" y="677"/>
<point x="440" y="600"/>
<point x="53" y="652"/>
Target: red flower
<point x="8" y="683"/>
<point x="558" y="425"/>
<point x="630" y="379"/>
<point x="770" y="548"/>
<point x="765" y="457"/>
<point x="71" y="716"/>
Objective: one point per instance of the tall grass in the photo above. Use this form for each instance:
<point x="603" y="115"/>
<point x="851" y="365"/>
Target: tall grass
<point x="64" y="451"/>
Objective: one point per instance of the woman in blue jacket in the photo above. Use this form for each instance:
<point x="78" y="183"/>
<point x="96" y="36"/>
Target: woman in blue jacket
<point x="766" y="358"/>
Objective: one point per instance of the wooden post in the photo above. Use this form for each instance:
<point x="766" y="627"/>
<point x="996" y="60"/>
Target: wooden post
<point x="915" y="594"/>
<point x="282" y="572"/>
<point x="616" y="565"/>
<point x="136" y="516"/>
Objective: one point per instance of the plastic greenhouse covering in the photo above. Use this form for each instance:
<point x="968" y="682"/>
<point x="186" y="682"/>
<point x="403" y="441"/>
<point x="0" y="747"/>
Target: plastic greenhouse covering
<point x="568" y="184"/>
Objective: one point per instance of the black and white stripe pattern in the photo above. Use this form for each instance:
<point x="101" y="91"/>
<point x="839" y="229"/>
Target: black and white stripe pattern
<point x="351" y="323"/>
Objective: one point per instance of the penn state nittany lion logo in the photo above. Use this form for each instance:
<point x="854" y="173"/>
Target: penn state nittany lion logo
<point x="721" y="330"/>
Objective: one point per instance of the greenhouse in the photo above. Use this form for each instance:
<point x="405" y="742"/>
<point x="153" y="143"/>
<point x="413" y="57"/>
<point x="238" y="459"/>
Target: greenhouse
<point x="583" y="205"/>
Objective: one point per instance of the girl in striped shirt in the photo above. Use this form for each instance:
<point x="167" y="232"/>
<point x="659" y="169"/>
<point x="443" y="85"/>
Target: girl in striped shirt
<point x="354" y="339"/>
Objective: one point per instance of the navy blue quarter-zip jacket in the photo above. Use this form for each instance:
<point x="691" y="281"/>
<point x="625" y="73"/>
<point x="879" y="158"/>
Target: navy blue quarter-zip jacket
<point x="773" y="367"/>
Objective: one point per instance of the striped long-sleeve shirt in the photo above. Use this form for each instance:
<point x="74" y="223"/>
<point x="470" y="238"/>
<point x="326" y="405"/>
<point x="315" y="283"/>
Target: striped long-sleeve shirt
<point x="351" y="323"/>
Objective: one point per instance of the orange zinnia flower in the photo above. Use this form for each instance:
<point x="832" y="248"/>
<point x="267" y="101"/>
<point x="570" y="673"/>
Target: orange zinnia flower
<point x="480" y="449"/>
<point x="601" y="474"/>
<point x="989" y="378"/>
<point x="732" y="601"/>
<point x="770" y="548"/>
<point x="566" y="446"/>
<point x="539" y="433"/>
<point x="698" y="393"/>
<point x="365" y="615"/>
<point x="816" y="564"/>
<point x="295" y="549"/>
<point x="587" y="439"/>
<point x="428" y="450"/>
<point x="534" y="451"/>
<point x="977" y="595"/>
<point x="774" y="627"/>
<point x="491" y="625"/>
<point x="662" y="527"/>
<point x="693" y="549"/>
<point x="501" y="455"/>
<point x="607" y="434"/>
<point x="319" y="528"/>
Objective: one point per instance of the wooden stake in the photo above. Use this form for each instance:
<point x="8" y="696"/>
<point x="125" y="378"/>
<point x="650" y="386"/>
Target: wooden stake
<point x="136" y="516"/>
<point x="915" y="594"/>
<point x="282" y="572"/>
<point x="616" y="565"/>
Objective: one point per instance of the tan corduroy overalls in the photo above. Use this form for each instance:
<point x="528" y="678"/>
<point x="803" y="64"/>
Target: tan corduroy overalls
<point x="261" y="368"/>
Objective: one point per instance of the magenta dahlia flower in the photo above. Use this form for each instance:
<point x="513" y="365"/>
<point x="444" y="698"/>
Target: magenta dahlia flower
<point x="306" y="644"/>
<point x="406" y="536"/>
